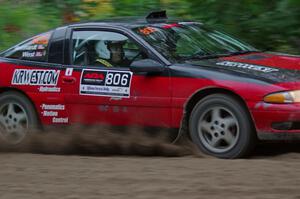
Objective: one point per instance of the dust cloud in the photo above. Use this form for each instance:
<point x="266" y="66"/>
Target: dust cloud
<point x="100" y="141"/>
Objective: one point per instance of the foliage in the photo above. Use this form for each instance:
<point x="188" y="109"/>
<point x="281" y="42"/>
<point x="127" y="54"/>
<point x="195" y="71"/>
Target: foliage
<point x="268" y="25"/>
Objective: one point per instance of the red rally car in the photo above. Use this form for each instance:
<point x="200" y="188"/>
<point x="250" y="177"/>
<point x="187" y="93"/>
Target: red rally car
<point x="180" y="75"/>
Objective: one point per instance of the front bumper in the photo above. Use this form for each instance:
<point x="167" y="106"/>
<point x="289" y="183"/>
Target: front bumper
<point x="267" y="117"/>
<point x="279" y="136"/>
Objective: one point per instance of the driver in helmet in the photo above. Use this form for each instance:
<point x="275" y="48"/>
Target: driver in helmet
<point x="111" y="53"/>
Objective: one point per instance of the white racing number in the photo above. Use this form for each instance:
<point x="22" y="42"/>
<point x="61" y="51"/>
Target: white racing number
<point x="105" y="83"/>
<point x="116" y="79"/>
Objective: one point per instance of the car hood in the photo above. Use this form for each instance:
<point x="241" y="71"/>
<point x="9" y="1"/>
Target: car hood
<point x="274" y="67"/>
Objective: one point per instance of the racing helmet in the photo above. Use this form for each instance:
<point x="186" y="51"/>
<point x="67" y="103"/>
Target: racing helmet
<point x="105" y="47"/>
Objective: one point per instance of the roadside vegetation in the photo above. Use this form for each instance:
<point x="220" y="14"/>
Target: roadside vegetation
<point x="267" y="24"/>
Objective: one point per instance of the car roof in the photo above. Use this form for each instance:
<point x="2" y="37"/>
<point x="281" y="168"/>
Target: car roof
<point x="116" y="22"/>
<point x="153" y="19"/>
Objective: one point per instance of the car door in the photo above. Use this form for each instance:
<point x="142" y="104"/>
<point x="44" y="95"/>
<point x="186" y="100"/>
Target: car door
<point x="113" y="95"/>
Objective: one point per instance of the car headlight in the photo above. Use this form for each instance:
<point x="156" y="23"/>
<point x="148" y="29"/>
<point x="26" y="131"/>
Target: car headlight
<point x="283" y="97"/>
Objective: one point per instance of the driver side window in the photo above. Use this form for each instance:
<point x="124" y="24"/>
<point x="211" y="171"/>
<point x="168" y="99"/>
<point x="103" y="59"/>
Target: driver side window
<point x="104" y="48"/>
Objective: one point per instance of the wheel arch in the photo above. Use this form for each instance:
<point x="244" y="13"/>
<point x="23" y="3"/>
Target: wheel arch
<point x="200" y="94"/>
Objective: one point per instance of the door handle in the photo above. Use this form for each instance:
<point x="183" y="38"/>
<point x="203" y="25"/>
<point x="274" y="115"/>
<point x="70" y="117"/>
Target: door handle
<point x="68" y="80"/>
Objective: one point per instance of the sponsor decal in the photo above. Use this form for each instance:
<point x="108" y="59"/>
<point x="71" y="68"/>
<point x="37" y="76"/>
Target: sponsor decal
<point x="26" y="54"/>
<point x="42" y="39"/>
<point x="105" y="83"/>
<point x="59" y="107"/>
<point x="41" y="47"/>
<point x="69" y="72"/>
<point x="147" y="30"/>
<point x="104" y="108"/>
<point x="53" y="111"/>
<point x="33" y="47"/>
<point x="43" y="89"/>
<point x="115" y="109"/>
<point x="50" y="113"/>
<point x="248" y="66"/>
<point x="167" y="26"/>
<point x="61" y="120"/>
<point x="35" y="77"/>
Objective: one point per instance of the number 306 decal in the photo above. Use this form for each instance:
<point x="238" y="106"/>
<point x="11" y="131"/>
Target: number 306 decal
<point x="105" y="83"/>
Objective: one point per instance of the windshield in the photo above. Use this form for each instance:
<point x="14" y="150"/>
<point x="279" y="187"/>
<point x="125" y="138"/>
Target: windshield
<point x="189" y="40"/>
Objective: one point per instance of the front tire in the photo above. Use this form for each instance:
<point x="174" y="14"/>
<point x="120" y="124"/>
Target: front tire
<point x="221" y="126"/>
<point x="17" y="117"/>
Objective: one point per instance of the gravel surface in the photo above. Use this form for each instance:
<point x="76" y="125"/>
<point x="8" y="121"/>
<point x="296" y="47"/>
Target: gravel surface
<point x="84" y="165"/>
<point x="265" y="175"/>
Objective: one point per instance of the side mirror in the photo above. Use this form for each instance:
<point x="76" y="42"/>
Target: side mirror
<point x="147" y="66"/>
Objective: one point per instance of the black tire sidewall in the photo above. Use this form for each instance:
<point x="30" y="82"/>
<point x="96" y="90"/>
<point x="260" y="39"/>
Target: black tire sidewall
<point x="246" y="136"/>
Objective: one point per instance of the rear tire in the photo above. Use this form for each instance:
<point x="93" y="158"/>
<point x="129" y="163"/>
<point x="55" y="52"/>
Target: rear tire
<point x="17" y="117"/>
<point x="221" y="126"/>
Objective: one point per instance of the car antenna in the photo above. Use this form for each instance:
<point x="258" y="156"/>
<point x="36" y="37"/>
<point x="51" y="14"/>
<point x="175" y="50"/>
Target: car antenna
<point x="157" y="16"/>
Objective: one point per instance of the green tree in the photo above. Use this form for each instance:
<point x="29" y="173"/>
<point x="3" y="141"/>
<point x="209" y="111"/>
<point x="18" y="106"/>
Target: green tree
<point x="267" y="24"/>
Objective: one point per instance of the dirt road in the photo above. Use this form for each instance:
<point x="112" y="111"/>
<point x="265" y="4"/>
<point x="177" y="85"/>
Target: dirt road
<point x="100" y="164"/>
<point x="273" y="172"/>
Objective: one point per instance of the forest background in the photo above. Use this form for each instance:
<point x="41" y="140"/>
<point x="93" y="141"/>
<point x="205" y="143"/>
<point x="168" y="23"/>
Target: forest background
<point x="272" y="25"/>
